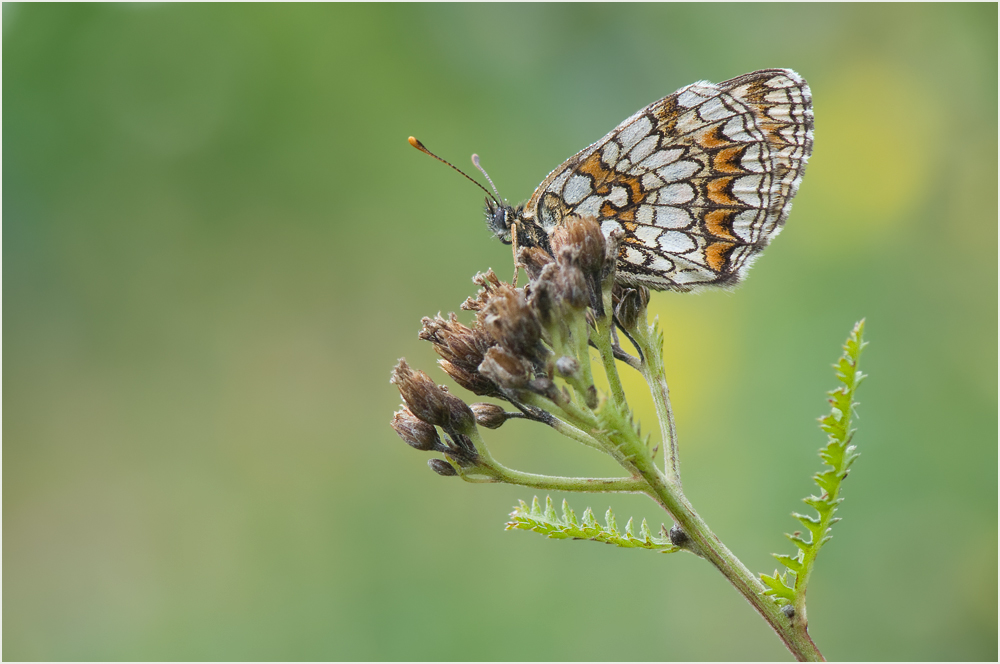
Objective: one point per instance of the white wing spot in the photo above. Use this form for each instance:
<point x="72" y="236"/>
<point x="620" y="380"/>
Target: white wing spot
<point x="672" y="217"/>
<point x="736" y="130"/>
<point x="609" y="225"/>
<point x="644" y="148"/>
<point x="697" y="93"/>
<point x="634" y="256"/>
<point x="660" y="158"/>
<point x="679" y="170"/>
<point x="676" y="194"/>
<point x="648" y="235"/>
<point x="635" y="132"/>
<point x="644" y="215"/>
<point x="746" y="189"/>
<point x="618" y="196"/>
<point x="676" y="242"/>
<point x="610" y="154"/>
<point x="590" y="207"/>
<point x="743" y="225"/>
<point x="661" y="264"/>
<point x="651" y="182"/>
<point x="576" y="189"/>
<point x="714" y="110"/>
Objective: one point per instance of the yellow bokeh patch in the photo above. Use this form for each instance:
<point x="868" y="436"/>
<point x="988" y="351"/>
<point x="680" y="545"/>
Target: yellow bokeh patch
<point x="871" y="162"/>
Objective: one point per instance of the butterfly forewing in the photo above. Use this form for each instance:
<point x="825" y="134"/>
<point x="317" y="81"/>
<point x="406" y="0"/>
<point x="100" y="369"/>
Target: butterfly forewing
<point x="699" y="181"/>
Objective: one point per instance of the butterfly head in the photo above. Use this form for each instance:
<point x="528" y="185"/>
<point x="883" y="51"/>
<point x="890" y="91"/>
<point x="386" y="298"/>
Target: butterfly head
<point x="500" y="219"/>
<point x="504" y="220"/>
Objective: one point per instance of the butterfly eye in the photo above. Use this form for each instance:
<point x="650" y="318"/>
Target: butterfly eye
<point x="498" y="220"/>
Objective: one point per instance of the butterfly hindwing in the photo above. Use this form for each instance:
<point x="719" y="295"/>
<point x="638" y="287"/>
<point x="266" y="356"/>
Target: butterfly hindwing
<point x="699" y="181"/>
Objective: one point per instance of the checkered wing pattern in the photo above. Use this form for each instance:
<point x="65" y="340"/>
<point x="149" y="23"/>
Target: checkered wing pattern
<point x="699" y="181"/>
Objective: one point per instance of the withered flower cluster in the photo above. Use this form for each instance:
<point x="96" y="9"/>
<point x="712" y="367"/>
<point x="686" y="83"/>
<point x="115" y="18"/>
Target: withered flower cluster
<point x="521" y="340"/>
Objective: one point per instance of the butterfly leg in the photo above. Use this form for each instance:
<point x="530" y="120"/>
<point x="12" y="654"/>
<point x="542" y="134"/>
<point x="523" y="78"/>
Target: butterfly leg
<point x="513" y="243"/>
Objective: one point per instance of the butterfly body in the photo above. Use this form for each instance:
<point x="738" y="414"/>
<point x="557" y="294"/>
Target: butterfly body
<point x="699" y="182"/>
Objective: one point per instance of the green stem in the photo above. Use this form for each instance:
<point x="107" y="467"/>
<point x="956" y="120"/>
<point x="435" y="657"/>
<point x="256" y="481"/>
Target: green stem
<point x="586" y="424"/>
<point x="648" y="340"/>
<point x="712" y="549"/>
<point x="576" y="432"/>
<point x="602" y="340"/>
<point x="577" y="484"/>
<point x="582" y="353"/>
<point x="491" y="470"/>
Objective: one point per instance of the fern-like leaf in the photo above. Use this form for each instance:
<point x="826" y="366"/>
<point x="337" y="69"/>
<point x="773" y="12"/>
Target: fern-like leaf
<point x="546" y="522"/>
<point x="838" y="454"/>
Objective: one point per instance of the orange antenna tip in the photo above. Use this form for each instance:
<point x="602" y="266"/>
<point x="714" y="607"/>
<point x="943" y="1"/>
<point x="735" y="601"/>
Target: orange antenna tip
<point x="420" y="146"/>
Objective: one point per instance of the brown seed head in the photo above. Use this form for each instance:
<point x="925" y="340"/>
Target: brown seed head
<point x="542" y="297"/>
<point x="489" y="415"/>
<point x="442" y="467"/>
<point x="583" y="237"/>
<point x="462" y="350"/>
<point x="510" y="320"/>
<point x="415" y="432"/>
<point x="572" y="283"/>
<point x="506" y="369"/>
<point x="490" y="285"/>
<point x="629" y="303"/>
<point x="430" y="402"/>
<point x="533" y="259"/>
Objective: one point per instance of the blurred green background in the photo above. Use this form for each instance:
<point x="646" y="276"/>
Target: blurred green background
<point x="217" y="243"/>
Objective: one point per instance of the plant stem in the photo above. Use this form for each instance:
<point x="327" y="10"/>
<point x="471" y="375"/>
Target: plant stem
<point x="669" y="496"/>
<point x="648" y="341"/>
<point x="576" y="484"/>
<point x="602" y="340"/>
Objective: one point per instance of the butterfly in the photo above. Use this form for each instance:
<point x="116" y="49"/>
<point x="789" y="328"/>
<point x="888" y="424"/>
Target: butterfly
<point x="699" y="182"/>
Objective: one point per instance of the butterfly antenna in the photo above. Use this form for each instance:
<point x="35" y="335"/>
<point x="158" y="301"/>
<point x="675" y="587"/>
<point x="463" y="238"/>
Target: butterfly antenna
<point x="475" y="162"/>
<point x="420" y="146"/>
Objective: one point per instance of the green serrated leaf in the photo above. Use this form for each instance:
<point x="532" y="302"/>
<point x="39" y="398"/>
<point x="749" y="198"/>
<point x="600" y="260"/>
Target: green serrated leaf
<point x="551" y="525"/>
<point x="791" y="563"/>
<point x="644" y="533"/>
<point x="778" y="588"/>
<point x="568" y="514"/>
<point x="837" y="455"/>
<point x="550" y="510"/>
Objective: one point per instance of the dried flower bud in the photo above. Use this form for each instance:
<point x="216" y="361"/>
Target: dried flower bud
<point x="583" y="235"/>
<point x="462" y="350"/>
<point x="489" y="415"/>
<point x="572" y="284"/>
<point x="429" y="402"/>
<point x="533" y="259"/>
<point x="506" y="369"/>
<point x="612" y="247"/>
<point x="442" y="467"/>
<point x="542" y="297"/>
<point x="462" y="450"/>
<point x="511" y="321"/>
<point x="415" y="432"/>
<point x="630" y="304"/>
<point x="490" y="286"/>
